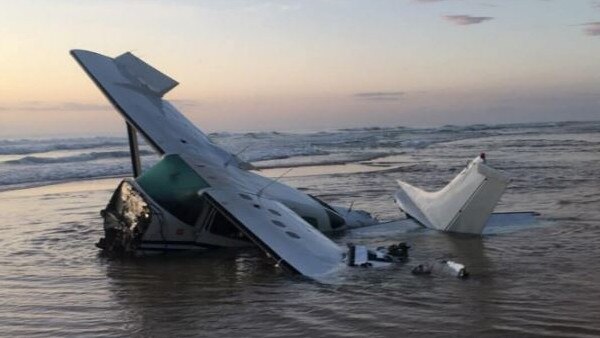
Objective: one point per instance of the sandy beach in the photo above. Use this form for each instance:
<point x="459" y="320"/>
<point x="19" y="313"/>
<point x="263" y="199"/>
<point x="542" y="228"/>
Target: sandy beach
<point x="527" y="279"/>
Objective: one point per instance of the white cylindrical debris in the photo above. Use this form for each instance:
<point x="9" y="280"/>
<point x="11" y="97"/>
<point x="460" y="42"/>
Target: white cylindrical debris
<point x="442" y="267"/>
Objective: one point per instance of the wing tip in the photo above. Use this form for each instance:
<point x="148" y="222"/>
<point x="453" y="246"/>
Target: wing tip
<point x="80" y="54"/>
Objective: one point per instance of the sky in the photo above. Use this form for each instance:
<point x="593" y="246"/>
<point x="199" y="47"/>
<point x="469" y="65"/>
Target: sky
<point x="248" y="65"/>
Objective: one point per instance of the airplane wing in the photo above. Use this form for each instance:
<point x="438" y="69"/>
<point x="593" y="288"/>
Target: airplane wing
<point x="136" y="90"/>
<point x="293" y="243"/>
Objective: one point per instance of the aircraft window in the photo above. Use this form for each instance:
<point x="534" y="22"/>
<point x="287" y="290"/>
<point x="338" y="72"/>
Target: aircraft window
<point x="174" y="185"/>
<point x="335" y="219"/>
<point x="321" y="202"/>
<point x="278" y="223"/>
<point x="183" y="141"/>
<point x="274" y="212"/>
<point x="246" y="197"/>
<point x="256" y="206"/>
<point x="220" y="225"/>
<point x="292" y="234"/>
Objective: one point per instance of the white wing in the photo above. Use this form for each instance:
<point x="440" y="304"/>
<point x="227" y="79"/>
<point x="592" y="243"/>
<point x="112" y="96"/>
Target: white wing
<point x="282" y="234"/>
<point x="136" y="90"/>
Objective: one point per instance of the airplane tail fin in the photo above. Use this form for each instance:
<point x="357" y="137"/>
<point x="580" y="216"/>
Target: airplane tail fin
<point x="464" y="205"/>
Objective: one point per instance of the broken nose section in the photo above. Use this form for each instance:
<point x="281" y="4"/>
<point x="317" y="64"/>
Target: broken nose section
<point x="126" y="218"/>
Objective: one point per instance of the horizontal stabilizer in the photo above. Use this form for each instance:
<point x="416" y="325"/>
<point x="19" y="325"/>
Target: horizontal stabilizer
<point x="146" y="75"/>
<point x="498" y="221"/>
<point x="464" y="205"/>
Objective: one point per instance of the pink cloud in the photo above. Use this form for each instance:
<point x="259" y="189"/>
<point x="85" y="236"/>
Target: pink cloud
<point x="592" y="28"/>
<point x="464" y="20"/>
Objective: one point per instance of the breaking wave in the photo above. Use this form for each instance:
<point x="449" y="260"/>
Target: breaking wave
<point x="33" y="146"/>
<point x="93" y="156"/>
<point x="35" y="161"/>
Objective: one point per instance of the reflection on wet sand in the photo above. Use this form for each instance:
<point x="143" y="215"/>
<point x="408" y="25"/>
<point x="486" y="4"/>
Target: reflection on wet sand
<point x="525" y="280"/>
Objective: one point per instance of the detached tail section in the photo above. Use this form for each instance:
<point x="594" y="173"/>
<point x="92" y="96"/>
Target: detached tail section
<point x="463" y="206"/>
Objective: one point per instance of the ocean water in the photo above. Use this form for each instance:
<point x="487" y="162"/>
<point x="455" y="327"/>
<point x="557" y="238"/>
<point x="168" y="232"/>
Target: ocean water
<point x="540" y="279"/>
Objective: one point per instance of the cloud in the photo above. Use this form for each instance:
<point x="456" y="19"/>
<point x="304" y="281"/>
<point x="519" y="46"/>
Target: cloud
<point x="69" y="106"/>
<point x="592" y="28"/>
<point x="379" y="96"/>
<point x="427" y="1"/>
<point x="54" y="106"/>
<point x="464" y="20"/>
<point x="270" y="6"/>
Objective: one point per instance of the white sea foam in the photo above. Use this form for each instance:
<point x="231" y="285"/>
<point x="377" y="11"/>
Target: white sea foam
<point x="37" y="161"/>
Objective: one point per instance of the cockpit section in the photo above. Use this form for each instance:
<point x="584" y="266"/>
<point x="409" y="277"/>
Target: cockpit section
<point x="174" y="185"/>
<point x="161" y="209"/>
<point x="163" y="206"/>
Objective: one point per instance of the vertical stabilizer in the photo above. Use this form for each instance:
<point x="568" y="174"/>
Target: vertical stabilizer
<point x="464" y="205"/>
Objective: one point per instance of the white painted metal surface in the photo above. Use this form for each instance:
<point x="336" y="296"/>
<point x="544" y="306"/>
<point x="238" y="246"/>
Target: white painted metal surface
<point x="136" y="89"/>
<point x="464" y="205"/>
<point x="270" y="214"/>
<point x="285" y="236"/>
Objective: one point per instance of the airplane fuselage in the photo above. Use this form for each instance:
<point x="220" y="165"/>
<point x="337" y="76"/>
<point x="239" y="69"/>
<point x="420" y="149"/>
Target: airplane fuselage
<point x="164" y="208"/>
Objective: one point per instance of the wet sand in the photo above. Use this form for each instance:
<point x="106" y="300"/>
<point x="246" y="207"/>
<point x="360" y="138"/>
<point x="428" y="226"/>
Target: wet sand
<point x="540" y="280"/>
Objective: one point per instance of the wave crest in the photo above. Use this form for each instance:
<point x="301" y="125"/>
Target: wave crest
<point x="93" y="156"/>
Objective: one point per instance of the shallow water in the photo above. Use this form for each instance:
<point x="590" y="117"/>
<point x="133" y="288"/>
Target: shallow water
<point x="528" y="280"/>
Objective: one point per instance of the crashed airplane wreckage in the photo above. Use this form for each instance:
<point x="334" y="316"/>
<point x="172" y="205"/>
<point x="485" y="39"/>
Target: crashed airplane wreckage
<point x="199" y="196"/>
<point x="463" y="206"/>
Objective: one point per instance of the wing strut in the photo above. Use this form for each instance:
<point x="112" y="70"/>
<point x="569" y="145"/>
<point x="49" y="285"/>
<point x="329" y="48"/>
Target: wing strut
<point x="134" y="150"/>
